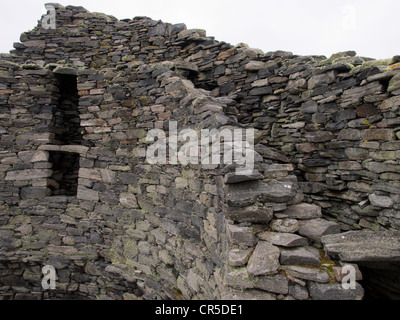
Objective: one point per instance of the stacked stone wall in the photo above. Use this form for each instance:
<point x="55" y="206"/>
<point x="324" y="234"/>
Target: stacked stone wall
<point x="326" y="161"/>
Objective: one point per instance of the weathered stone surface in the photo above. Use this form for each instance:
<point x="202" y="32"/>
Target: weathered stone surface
<point x="239" y="278"/>
<point x="90" y="174"/>
<point x="245" y="194"/>
<point x="378" y="134"/>
<point x="311" y="274"/>
<point x="264" y="260"/>
<point x="354" y="246"/>
<point x="252" y="214"/>
<point x="303" y="211"/>
<point x="394" y="83"/>
<point x="390" y="103"/>
<point x="316" y="228"/>
<point x="87" y="194"/>
<point x="250" y="294"/>
<point x="128" y="200"/>
<point x="241" y="235"/>
<point x="272" y="283"/>
<point x="29" y="174"/>
<point x="298" y="292"/>
<point x="308" y="256"/>
<point x="335" y="291"/>
<point x="233" y="177"/>
<point x="239" y="257"/>
<point x="285" y="225"/>
<point x="283" y="239"/>
<point x="380" y="201"/>
<point x="319" y="136"/>
<point x="254" y="65"/>
<point x="321" y="79"/>
<point x="268" y="153"/>
<point x="34" y="192"/>
<point x="380" y="167"/>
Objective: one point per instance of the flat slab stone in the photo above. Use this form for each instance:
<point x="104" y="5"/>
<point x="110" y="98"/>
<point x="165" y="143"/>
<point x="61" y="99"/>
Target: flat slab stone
<point x="316" y="228"/>
<point x="308" y="256"/>
<point x="283" y="239"/>
<point x="303" y="211"/>
<point x="265" y="259"/>
<point x="334" y="291"/>
<point x="253" y="214"/>
<point x="233" y="177"/>
<point x="247" y="193"/>
<point x="312" y="274"/>
<point x="371" y="246"/>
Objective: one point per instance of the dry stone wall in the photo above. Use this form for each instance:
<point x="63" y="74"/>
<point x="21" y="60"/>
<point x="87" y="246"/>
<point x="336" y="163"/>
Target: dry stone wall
<point x="117" y="227"/>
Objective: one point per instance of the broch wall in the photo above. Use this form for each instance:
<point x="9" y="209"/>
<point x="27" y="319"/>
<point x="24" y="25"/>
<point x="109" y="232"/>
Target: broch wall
<point x="76" y="192"/>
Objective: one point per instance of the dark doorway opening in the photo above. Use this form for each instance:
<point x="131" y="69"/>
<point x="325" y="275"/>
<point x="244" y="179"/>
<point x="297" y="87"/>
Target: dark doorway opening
<point x="64" y="180"/>
<point x="381" y="281"/>
<point x="67" y="120"/>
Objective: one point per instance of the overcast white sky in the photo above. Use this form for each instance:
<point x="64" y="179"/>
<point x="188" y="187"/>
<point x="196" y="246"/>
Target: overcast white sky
<point x="305" y="27"/>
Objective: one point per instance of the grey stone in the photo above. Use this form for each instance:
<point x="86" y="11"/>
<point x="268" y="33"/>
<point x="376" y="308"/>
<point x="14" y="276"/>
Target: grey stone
<point x="380" y="167"/>
<point x="247" y="193"/>
<point x="334" y="291"/>
<point x="253" y="214"/>
<point x="307" y="273"/>
<point x="241" y="235"/>
<point x="303" y="211"/>
<point x="390" y="103"/>
<point x="29" y="174"/>
<point x="268" y="153"/>
<point x="378" y="134"/>
<point x="128" y="200"/>
<point x="34" y="192"/>
<point x="272" y="283"/>
<point x="298" y="292"/>
<point x="356" y="153"/>
<point x="254" y="65"/>
<point x="285" y="225"/>
<point x="394" y="83"/>
<point x="35" y="43"/>
<point x="380" y="201"/>
<point x="87" y="194"/>
<point x="239" y="257"/>
<point x="264" y="260"/>
<point x="308" y="256"/>
<point x="239" y="278"/>
<point x="321" y="79"/>
<point x="319" y="136"/>
<point x="316" y="228"/>
<point x="108" y="176"/>
<point x="250" y="294"/>
<point x="233" y="177"/>
<point x="354" y="246"/>
<point x="283" y="239"/>
<point x="310" y="106"/>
